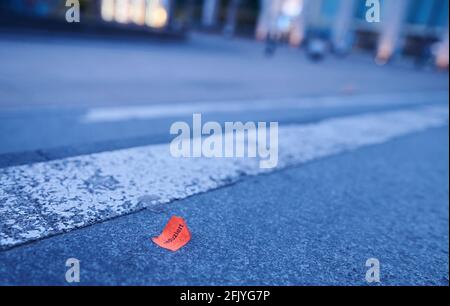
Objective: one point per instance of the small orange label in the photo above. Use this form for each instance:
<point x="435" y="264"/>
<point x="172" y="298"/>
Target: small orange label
<point x="175" y="235"/>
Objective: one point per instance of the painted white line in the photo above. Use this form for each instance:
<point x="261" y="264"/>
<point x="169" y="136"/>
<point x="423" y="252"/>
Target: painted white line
<point x="47" y="198"/>
<point x="114" y="114"/>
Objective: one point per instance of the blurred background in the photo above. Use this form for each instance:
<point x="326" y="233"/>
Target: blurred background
<point x="145" y="53"/>
<point x="417" y="28"/>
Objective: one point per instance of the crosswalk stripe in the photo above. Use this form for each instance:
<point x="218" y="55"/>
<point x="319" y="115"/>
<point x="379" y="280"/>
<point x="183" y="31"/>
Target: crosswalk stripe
<point x="48" y="198"/>
<point x="123" y="113"/>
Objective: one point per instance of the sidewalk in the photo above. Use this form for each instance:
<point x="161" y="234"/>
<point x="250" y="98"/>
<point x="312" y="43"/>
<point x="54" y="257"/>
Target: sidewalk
<point x="81" y="72"/>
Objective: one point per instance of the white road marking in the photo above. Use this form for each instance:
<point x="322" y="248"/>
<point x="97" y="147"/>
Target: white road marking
<point x="48" y="198"/>
<point x="114" y="114"/>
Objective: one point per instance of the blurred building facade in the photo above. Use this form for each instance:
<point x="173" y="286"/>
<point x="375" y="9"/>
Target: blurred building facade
<point x="409" y="26"/>
<point x="413" y="27"/>
<point x="154" y="14"/>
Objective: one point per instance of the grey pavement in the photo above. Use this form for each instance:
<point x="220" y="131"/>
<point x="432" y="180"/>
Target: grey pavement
<point x="59" y="72"/>
<point x="316" y="224"/>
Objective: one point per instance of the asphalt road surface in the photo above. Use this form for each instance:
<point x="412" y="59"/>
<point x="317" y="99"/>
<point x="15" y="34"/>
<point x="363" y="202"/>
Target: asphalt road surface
<point x="85" y="170"/>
